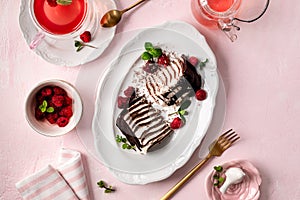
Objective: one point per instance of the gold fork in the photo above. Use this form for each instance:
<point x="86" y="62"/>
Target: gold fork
<point x="216" y="148"/>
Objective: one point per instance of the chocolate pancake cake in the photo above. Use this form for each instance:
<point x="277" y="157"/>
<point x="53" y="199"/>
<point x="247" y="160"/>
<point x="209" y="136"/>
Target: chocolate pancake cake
<point x="158" y="88"/>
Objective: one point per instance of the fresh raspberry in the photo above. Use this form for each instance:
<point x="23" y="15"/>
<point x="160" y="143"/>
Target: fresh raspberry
<point x="58" y="100"/>
<point x="163" y="60"/>
<point x="150" y="67"/>
<point x="129" y="91"/>
<point x="201" y="94"/>
<point x="66" y="112"/>
<point x="39" y="98"/>
<point x="176" y="123"/>
<point x="46" y="91"/>
<point x="86" y="36"/>
<point x="68" y="100"/>
<point x="62" y="121"/>
<point x="52" y="117"/>
<point x="59" y="91"/>
<point x="39" y="115"/>
<point x="122" y="102"/>
<point x="194" y="61"/>
<point x="52" y="3"/>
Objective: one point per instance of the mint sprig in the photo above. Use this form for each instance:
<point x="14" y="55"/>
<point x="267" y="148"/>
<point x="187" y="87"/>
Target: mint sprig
<point x="81" y="45"/>
<point x="64" y="2"/>
<point x="218" y="180"/>
<point x="44" y="107"/>
<point x="125" y="143"/>
<point x="182" y="110"/>
<point x="108" y="189"/>
<point x="151" y="52"/>
<point x="203" y="63"/>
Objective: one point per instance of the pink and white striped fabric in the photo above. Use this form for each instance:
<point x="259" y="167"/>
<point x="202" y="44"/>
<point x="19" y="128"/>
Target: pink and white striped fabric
<point x="67" y="182"/>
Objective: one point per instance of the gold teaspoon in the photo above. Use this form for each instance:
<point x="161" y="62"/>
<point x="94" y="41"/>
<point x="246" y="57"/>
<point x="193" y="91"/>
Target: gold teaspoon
<point x="112" y="17"/>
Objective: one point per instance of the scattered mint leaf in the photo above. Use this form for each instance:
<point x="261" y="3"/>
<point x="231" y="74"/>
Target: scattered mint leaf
<point x="64" y="2"/>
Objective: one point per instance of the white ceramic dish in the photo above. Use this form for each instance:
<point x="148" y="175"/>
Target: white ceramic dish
<point x="63" y="52"/>
<point x="141" y="169"/>
<point x="44" y="127"/>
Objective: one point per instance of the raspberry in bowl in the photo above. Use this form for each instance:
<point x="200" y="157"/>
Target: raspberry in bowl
<point x="53" y="107"/>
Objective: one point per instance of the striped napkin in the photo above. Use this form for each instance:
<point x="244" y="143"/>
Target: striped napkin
<point x="67" y="182"/>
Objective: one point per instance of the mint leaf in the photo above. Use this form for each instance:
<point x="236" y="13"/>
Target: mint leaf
<point x="146" y="56"/>
<point x="64" y="2"/>
<point x="50" y="110"/>
<point x="148" y="46"/>
<point x="155" y="52"/>
<point x="221" y="180"/>
<point x="181" y="112"/>
<point x="218" y="168"/>
<point x="45" y="103"/>
<point x="185" y="104"/>
<point x="43" y="106"/>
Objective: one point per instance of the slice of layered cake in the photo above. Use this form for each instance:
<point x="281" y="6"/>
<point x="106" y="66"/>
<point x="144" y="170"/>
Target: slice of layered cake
<point x="142" y="125"/>
<point x="160" y="85"/>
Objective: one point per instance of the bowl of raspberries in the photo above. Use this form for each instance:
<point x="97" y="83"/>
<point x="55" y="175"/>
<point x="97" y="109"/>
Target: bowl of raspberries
<point x="53" y="108"/>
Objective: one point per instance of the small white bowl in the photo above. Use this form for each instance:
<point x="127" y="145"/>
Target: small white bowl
<point x="43" y="126"/>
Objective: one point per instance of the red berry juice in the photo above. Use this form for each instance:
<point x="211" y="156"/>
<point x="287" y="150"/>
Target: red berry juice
<point x="60" y="19"/>
<point x="219" y="6"/>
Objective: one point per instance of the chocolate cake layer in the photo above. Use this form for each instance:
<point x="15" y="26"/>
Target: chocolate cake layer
<point x="142" y="125"/>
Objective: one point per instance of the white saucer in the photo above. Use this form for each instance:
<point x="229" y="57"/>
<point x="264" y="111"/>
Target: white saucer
<point x="63" y="52"/>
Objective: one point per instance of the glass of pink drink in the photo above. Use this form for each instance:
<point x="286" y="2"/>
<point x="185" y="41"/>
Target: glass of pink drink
<point x="60" y="21"/>
<point x="217" y="14"/>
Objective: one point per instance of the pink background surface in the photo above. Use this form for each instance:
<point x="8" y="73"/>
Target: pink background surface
<point x="261" y="76"/>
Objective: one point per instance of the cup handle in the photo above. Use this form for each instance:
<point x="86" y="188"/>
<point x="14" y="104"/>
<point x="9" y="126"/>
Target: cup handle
<point x="38" y="38"/>
<point x="228" y="28"/>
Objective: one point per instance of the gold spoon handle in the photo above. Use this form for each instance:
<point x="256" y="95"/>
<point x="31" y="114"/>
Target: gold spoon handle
<point x="132" y="6"/>
<point x="187" y="177"/>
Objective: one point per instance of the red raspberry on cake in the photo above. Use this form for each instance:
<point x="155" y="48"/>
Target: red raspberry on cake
<point x="176" y="123"/>
<point x="58" y="100"/>
<point x="129" y="91"/>
<point x="86" y="36"/>
<point x="163" y="60"/>
<point x="194" y="61"/>
<point x="150" y="67"/>
<point x="122" y="102"/>
<point x="201" y="94"/>
<point x="66" y="112"/>
<point x="62" y="121"/>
